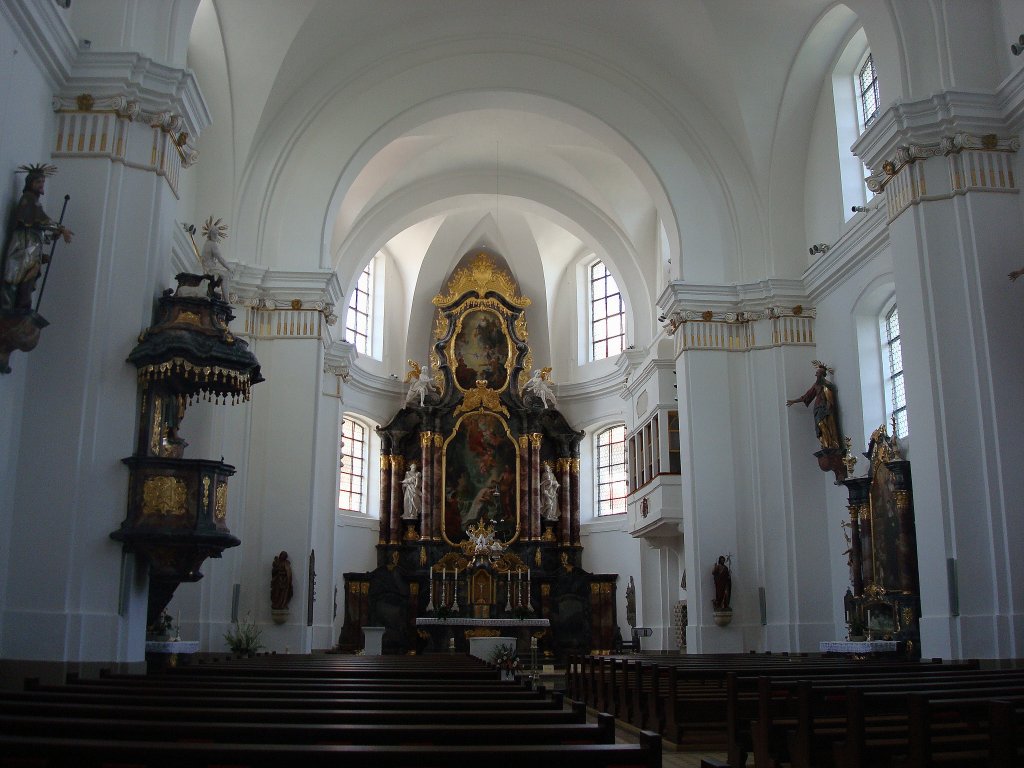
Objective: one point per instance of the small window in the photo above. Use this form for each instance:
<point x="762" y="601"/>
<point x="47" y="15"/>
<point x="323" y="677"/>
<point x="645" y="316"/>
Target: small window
<point x="893" y="349"/>
<point x="607" y="314"/>
<point x="867" y="90"/>
<point x="358" y="321"/>
<point x="352" y="473"/>
<point x="610" y="463"/>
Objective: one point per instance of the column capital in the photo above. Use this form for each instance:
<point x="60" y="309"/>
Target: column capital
<point x="927" y="122"/>
<point x="338" y="359"/>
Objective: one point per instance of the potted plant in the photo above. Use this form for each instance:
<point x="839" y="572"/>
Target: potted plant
<point x="244" y="639"/>
<point x="162" y="628"/>
<point x="505" y="659"/>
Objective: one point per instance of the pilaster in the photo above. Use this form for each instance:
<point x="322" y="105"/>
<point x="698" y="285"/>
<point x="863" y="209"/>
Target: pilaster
<point x="738" y="351"/>
<point x="949" y="169"/>
<point x="291" y="464"/>
<point x="119" y="153"/>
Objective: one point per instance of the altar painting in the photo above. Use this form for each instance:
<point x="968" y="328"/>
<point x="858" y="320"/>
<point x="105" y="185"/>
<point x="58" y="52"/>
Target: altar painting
<point x="884" y="557"/>
<point x="481" y="477"/>
<point x="480" y="350"/>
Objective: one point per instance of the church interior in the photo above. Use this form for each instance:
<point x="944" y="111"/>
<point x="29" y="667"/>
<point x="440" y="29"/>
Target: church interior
<point x="685" y="324"/>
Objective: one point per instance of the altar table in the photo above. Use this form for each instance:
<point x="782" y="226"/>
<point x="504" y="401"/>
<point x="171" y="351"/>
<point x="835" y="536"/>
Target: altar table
<point x="484" y="647"/>
<point x="445" y="634"/>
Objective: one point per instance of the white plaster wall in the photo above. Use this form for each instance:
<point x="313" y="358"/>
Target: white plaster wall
<point x="824" y="216"/>
<point x="283" y="470"/>
<point x="608" y="548"/>
<point x="26" y="122"/>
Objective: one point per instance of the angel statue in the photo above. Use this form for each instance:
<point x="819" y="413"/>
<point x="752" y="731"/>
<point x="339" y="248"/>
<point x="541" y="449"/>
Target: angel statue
<point x="422" y="382"/>
<point x="541" y="387"/>
<point x="212" y="262"/>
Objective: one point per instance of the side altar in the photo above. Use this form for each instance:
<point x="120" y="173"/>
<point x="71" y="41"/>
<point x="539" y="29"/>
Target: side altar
<point x="480" y="490"/>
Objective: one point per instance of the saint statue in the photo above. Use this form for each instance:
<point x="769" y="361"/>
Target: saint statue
<point x="826" y="408"/>
<point x="280" y="582"/>
<point x="411" y="492"/>
<point x="549" y="494"/>
<point x="723" y="585"/>
<point x="33" y="230"/>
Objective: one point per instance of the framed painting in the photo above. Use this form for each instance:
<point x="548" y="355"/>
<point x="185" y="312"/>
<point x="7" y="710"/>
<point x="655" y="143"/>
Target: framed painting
<point x="480" y="477"/>
<point x="480" y="349"/>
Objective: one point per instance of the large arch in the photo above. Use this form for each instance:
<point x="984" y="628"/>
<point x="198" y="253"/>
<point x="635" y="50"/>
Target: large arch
<point x="304" y="150"/>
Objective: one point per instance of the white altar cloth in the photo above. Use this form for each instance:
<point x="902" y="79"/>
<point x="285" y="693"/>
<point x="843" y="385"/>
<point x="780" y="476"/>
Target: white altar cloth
<point x="858" y="646"/>
<point x="455" y="621"/>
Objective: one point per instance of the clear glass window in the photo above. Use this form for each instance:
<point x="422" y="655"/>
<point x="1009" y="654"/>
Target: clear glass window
<point x="893" y="350"/>
<point x="360" y="312"/>
<point x="607" y="314"/>
<point x="867" y="90"/>
<point x="610" y="464"/>
<point x="352" y="473"/>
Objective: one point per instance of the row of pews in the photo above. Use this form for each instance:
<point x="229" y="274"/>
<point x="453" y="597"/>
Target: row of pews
<point x="384" y="712"/>
<point x="814" y="711"/>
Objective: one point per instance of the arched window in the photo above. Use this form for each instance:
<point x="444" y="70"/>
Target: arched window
<point x="610" y="471"/>
<point x="359" y="318"/>
<point x="896" y="397"/>
<point x="856" y="98"/>
<point x="607" y="314"/>
<point x="355" y="447"/>
<point x="364" y="317"/>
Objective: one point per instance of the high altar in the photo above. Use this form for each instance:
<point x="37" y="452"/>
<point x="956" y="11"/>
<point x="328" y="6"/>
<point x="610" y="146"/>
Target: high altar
<point x="467" y="550"/>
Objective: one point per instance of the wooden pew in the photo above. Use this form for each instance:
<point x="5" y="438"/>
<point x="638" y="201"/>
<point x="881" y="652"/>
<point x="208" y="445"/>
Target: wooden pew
<point x="389" y="715"/>
<point x="97" y="753"/>
<point x="601" y="732"/>
<point x="962" y="727"/>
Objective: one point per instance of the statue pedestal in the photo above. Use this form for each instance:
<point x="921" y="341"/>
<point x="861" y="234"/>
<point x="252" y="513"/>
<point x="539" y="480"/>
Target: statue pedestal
<point x="279" y="615"/>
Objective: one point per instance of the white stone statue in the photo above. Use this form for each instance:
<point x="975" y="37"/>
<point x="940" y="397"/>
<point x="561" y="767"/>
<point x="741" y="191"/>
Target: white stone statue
<point x="422" y="382"/>
<point x="541" y="386"/>
<point x="411" y="492"/>
<point x="210" y="259"/>
<point x="549" y="494"/>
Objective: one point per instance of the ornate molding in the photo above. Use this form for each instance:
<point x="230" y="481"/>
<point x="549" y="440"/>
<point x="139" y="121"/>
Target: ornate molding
<point x="961" y="141"/>
<point x="281" y="305"/>
<point x="973" y="163"/>
<point x="736" y="318"/>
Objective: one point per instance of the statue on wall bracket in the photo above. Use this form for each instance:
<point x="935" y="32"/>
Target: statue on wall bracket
<point x="823" y="395"/>
<point x="23" y="262"/>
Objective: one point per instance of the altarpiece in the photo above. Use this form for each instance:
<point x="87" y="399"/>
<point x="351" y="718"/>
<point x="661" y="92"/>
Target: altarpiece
<point x="478" y="557"/>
